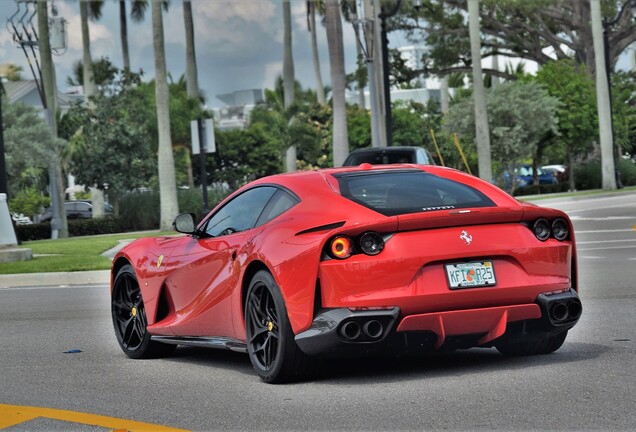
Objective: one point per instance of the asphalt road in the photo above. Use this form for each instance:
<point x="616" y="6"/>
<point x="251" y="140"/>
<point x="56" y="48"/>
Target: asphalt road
<point x="590" y="383"/>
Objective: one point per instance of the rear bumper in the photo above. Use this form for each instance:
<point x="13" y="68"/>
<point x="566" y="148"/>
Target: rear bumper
<point x="345" y="331"/>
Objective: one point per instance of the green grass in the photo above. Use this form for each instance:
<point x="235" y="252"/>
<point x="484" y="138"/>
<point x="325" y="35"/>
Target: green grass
<point x="71" y="254"/>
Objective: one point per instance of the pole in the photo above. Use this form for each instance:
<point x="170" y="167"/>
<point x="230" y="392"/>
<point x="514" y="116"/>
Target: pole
<point x="385" y="70"/>
<point x="608" y="72"/>
<point x="4" y="188"/>
<point x="202" y="173"/>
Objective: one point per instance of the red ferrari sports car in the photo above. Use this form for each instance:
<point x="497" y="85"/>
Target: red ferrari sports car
<point x="352" y="260"/>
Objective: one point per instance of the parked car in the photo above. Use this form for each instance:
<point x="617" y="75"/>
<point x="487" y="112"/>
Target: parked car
<point x="76" y="210"/>
<point x="389" y="155"/>
<point x="525" y="177"/>
<point x="561" y="172"/>
<point x="351" y="260"/>
<point x="21" y="219"/>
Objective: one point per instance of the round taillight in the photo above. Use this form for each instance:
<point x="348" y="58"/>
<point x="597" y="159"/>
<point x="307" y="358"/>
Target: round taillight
<point x="560" y="229"/>
<point x="541" y="229"/>
<point x="371" y="243"/>
<point x="341" y="247"/>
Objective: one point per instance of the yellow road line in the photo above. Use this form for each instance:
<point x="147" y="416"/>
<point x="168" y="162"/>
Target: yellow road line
<point x="11" y="415"/>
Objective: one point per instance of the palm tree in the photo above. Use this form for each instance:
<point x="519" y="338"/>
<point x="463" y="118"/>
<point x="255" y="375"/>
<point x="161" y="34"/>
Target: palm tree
<point x="311" y="26"/>
<point x="167" y="182"/>
<point x="56" y="180"/>
<point x="288" y="79"/>
<point x="92" y="10"/>
<point x="137" y="13"/>
<point x="336" y="60"/>
<point x="192" y="82"/>
<point x="482" y="131"/>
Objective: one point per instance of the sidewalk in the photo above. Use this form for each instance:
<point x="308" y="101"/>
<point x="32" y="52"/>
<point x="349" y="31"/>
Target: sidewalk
<point x="97" y="277"/>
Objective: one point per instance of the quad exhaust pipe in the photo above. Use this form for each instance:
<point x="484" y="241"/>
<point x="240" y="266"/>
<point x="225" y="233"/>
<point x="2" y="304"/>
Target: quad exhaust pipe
<point x="565" y="311"/>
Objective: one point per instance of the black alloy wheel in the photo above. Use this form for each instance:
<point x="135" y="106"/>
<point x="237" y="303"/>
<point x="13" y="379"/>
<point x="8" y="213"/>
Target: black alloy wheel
<point x="270" y="339"/>
<point x="129" y="318"/>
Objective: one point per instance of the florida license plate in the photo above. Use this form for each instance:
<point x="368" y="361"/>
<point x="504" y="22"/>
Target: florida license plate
<point x="470" y="274"/>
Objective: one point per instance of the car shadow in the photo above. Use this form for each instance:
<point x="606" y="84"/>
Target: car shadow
<point x="211" y="357"/>
<point x="436" y="365"/>
<point x="404" y="368"/>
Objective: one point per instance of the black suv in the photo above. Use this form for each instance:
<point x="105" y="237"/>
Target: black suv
<point x="76" y="210"/>
<point x="389" y="155"/>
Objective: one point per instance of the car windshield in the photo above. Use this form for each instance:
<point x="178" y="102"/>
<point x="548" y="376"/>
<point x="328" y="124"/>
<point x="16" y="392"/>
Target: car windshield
<point x="398" y="192"/>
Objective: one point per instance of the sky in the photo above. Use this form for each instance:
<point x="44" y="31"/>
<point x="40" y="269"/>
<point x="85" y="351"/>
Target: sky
<point x="239" y="43"/>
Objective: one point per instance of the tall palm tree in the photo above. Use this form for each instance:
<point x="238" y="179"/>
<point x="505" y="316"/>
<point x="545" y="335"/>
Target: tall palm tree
<point x="138" y="12"/>
<point x="167" y="181"/>
<point x="311" y="26"/>
<point x="192" y="82"/>
<point x="482" y="131"/>
<point x="92" y="10"/>
<point x="288" y="78"/>
<point x="56" y="180"/>
<point x="336" y="60"/>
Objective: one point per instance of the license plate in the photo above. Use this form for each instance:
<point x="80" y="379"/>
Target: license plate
<point x="470" y="274"/>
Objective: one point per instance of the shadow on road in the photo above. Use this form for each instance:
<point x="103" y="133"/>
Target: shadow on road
<point x="390" y="369"/>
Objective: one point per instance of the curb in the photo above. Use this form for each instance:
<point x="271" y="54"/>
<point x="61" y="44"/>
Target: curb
<point x="95" y="277"/>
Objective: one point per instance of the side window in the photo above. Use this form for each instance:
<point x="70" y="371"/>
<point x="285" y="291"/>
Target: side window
<point x="241" y="213"/>
<point x="281" y="202"/>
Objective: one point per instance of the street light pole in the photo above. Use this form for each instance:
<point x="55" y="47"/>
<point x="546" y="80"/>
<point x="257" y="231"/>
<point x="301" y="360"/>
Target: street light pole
<point x="364" y="28"/>
<point x="385" y="68"/>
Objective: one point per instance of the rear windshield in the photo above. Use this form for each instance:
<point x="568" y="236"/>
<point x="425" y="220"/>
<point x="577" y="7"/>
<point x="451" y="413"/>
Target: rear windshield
<point x="381" y="157"/>
<point x="407" y="191"/>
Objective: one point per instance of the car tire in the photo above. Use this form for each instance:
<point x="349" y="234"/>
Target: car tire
<point x="532" y="346"/>
<point x="274" y="354"/>
<point x="129" y="318"/>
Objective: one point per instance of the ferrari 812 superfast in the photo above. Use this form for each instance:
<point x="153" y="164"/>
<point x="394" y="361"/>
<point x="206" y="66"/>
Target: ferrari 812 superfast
<point x="351" y="261"/>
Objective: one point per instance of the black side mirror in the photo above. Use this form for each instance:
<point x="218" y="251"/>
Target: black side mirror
<point x="184" y="223"/>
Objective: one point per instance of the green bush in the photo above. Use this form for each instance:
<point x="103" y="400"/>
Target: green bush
<point x="541" y="189"/>
<point x="76" y="228"/>
<point x="33" y="232"/>
<point x="627" y="169"/>
<point x="28" y="202"/>
<point x="588" y="176"/>
<point x="140" y="210"/>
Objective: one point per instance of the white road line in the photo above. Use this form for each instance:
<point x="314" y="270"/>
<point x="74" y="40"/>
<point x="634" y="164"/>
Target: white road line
<point x="606" y="218"/>
<point x="593" y="257"/>
<point x="605" y="241"/>
<point x="608" y="248"/>
<point x="604" y="231"/>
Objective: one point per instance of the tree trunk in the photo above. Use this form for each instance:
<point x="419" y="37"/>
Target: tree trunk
<point x="192" y="81"/>
<point x="87" y="62"/>
<point x="123" y="31"/>
<point x="288" y="80"/>
<point x="59" y="224"/>
<point x="444" y="95"/>
<point x="167" y="182"/>
<point x="603" y="100"/>
<point x="311" y="22"/>
<point x="482" y="131"/>
<point x="336" y="60"/>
